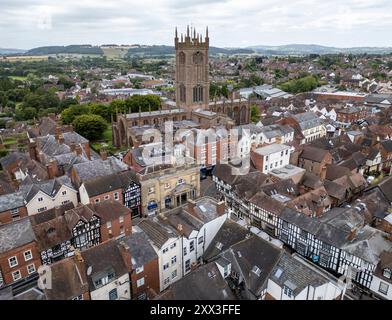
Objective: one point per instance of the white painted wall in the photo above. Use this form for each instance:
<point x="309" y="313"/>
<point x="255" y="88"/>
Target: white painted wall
<point x="84" y="198"/>
<point x="123" y="289"/>
<point x="50" y="202"/>
<point x="375" y="286"/>
<point x="166" y="257"/>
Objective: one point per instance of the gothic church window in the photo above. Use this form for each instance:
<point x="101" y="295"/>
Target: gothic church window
<point x="182" y="57"/>
<point x="198" y="58"/>
<point x="182" y="93"/>
<point x="198" y="94"/>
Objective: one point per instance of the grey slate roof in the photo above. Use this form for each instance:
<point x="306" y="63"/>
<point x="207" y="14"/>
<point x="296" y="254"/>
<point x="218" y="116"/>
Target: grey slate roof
<point x="155" y="232"/>
<point x="11" y="201"/>
<point x="108" y="183"/>
<point x="249" y="255"/>
<point x="16" y="234"/>
<point x="141" y="250"/>
<point x="291" y="271"/>
<point x="50" y="187"/>
<point x="205" y="283"/>
<point x="97" y="168"/>
<point x="104" y="259"/>
<point x="369" y="244"/>
<point x="229" y="234"/>
<point x="307" y="120"/>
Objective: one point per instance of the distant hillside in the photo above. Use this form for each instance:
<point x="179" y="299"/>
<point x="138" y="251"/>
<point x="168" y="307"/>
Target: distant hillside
<point x="7" y="51"/>
<point x="156" y="50"/>
<point x="162" y="50"/>
<point x="74" y="49"/>
<point x="301" y="49"/>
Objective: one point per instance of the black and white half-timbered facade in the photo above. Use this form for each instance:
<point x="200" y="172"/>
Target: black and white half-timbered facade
<point x="59" y="234"/>
<point x="56" y="253"/>
<point x="340" y="243"/>
<point x="264" y="212"/>
<point x="132" y="197"/>
<point x="86" y="233"/>
<point x="237" y="190"/>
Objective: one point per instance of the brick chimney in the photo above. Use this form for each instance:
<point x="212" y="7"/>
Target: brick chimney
<point x="126" y="255"/>
<point x="220" y="208"/>
<point x="61" y="138"/>
<point x="33" y="150"/>
<point x="73" y="147"/>
<point x="78" y="150"/>
<point x="52" y="169"/>
<point x="104" y="154"/>
<point x="57" y="132"/>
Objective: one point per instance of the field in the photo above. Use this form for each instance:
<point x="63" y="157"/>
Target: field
<point x="18" y="78"/>
<point x="26" y="58"/>
<point x="114" y="53"/>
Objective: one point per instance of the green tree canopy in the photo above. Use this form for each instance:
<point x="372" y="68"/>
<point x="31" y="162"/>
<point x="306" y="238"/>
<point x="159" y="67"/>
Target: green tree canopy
<point x="143" y="101"/>
<point x="68" y="115"/>
<point x="90" y="126"/>
<point x="254" y="113"/>
<point x="304" y="84"/>
<point x="103" y="110"/>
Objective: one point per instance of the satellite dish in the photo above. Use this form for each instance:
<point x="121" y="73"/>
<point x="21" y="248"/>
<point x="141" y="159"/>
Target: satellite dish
<point x="89" y="270"/>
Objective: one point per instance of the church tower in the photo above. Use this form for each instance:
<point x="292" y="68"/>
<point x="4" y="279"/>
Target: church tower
<point x="192" y="70"/>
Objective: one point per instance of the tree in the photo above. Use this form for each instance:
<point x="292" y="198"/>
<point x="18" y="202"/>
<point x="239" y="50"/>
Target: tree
<point x="68" y="115"/>
<point x="145" y="102"/>
<point x="67" y="102"/>
<point x="118" y="106"/>
<point x="66" y="82"/>
<point x="26" y="114"/>
<point x="254" y="114"/>
<point x="304" y="84"/>
<point x="103" y="110"/>
<point x="90" y="126"/>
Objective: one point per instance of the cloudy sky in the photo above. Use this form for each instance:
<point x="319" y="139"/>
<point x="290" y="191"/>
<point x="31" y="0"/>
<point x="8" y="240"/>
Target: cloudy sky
<point x="232" y="23"/>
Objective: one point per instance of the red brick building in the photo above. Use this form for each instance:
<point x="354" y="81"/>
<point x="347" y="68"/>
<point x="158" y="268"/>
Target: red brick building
<point x="19" y="256"/>
<point x="315" y="160"/>
<point x="142" y="262"/>
<point x="12" y="207"/>
<point x="116" y="219"/>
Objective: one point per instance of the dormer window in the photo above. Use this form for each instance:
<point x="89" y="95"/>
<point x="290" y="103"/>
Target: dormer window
<point x="387" y="273"/>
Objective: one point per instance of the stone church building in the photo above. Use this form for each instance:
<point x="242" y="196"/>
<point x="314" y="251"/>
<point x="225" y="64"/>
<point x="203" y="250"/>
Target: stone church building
<point x="192" y="97"/>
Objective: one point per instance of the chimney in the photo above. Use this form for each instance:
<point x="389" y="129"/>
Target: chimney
<point x="220" y="208"/>
<point x="1" y="190"/>
<point x="33" y="150"/>
<point x="78" y="256"/>
<point x="73" y="147"/>
<point x="191" y="206"/>
<point x="126" y="255"/>
<point x="179" y="227"/>
<point x="78" y="150"/>
<point x="52" y="169"/>
<point x="104" y="154"/>
<point x="61" y="138"/>
<point x="57" y="132"/>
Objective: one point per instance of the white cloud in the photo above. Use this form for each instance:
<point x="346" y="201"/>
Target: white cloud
<point x="30" y="23"/>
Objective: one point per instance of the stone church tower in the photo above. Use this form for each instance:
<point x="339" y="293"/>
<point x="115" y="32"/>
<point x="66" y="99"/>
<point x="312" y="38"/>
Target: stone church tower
<point x="192" y="70"/>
